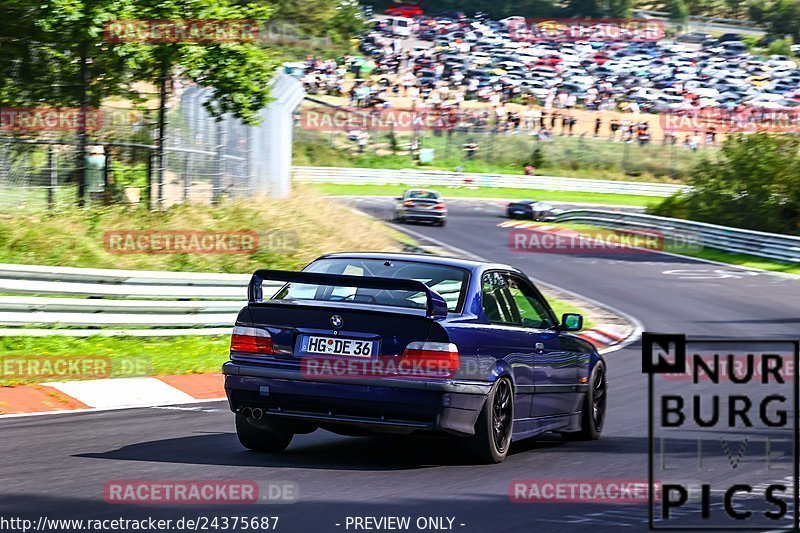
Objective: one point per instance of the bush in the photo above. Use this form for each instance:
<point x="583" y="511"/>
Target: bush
<point x="754" y="184"/>
<point x="781" y="47"/>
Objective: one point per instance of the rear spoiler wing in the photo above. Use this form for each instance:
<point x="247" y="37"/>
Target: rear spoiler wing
<point x="435" y="307"/>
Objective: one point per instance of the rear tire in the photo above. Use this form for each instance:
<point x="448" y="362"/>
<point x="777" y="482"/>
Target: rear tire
<point x="495" y="424"/>
<point x="593" y="413"/>
<point x="441" y="223"/>
<point x="261" y="438"/>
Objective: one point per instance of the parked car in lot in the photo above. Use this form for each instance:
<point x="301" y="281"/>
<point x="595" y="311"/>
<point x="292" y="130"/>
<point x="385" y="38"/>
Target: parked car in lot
<point x="421" y="205"/>
<point x="370" y="343"/>
<point x="532" y="210"/>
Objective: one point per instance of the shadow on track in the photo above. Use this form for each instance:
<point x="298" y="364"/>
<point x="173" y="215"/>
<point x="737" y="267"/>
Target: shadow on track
<point x="345" y="453"/>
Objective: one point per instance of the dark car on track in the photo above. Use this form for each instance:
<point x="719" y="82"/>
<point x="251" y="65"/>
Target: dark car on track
<point x="532" y="210"/>
<point x="420" y="205"/>
<point x="371" y="343"/>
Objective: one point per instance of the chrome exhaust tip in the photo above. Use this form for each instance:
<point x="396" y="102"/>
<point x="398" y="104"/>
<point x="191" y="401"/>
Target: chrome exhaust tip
<point x="257" y="413"/>
<point x="247" y="412"/>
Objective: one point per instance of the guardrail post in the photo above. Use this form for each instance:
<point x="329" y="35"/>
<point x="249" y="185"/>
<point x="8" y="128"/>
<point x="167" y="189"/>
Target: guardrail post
<point x="53" y="172"/>
<point x="185" y="178"/>
<point x="217" y="186"/>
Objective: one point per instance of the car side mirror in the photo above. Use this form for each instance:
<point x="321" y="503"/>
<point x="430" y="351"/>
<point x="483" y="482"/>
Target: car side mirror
<point x="398" y="197"/>
<point x="571" y="322"/>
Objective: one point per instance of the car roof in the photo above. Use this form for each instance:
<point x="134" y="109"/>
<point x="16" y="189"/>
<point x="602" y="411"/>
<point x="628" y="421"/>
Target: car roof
<point x="457" y="262"/>
<point x="422" y="190"/>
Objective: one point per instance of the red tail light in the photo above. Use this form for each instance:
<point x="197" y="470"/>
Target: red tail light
<point x="439" y="207"/>
<point x="251" y="340"/>
<point x="440" y="358"/>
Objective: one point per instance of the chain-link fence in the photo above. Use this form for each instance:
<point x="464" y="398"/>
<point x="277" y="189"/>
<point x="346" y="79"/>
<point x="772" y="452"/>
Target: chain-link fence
<point x="204" y="159"/>
<point x="475" y="141"/>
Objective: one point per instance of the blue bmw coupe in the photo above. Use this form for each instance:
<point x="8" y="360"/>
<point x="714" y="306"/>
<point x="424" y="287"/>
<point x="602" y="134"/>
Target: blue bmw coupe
<point x="368" y="343"/>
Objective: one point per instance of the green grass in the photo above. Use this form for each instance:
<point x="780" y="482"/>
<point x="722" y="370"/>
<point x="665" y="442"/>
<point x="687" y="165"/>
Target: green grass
<point x="291" y="232"/>
<point x="711" y="254"/>
<point x="112" y="356"/>
<point x="741" y="260"/>
<point x="560" y="307"/>
<point x="334" y="189"/>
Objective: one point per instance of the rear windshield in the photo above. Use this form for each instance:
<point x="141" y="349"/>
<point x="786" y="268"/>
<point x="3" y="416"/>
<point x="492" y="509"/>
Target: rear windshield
<point x="447" y="281"/>
<point x="422" y="195"/>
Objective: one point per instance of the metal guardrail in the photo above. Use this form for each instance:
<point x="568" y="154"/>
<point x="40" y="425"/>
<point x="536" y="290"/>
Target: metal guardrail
<point x="784" y="248"/>
<point x="105" y="275"/>
<point x="119" y="290"/>
<point x="413" y="177"/>
<point x="119" y="298"/>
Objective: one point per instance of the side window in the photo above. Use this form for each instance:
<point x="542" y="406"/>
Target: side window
<point x="498" y="303"/>
<point x="532" y="310"/>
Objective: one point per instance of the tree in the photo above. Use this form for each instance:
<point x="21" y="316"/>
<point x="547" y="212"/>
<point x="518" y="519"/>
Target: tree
<point x="237" y="72"/>
<point x="53" y="53"/>
<point x="781" y="47"/>
<point x="585" y="8"/>
<point x="678" y="13"/>
<point x="783" y="17"/>
<point x="754" y="184"/>
<point x="347" y="21"/>
<point x="620" y="8"/>
<point x="734" y="7"/>
<point x="756" y="10"/>
<point x="56" y="53"/>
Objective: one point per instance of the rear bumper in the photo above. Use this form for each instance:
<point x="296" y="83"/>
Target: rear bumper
<point x="451" y="406"/>
<point x="421" y="214"/>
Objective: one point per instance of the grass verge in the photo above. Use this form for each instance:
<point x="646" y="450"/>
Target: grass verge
<point x="333" y="189"/>
<point x="24" y="359"/>
<point x="290" y="233"/>
<point x="560" y="307"/>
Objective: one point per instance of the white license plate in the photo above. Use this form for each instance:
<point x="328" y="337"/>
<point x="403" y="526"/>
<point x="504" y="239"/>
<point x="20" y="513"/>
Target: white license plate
<point x="337" y="346"/>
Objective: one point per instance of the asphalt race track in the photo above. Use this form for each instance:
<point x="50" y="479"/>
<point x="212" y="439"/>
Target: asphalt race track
<point x="340" y="477"/>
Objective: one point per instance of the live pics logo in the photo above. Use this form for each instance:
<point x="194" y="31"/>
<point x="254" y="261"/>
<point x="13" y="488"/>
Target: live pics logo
<point x="722" y="433"/>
